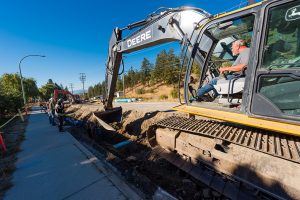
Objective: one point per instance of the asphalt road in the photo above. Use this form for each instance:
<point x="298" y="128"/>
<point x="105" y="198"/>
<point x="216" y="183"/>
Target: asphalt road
<point x="147" y="106"/>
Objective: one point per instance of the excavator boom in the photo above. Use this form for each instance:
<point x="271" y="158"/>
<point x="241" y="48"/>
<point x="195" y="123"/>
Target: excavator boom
<point x="161" y="27"/>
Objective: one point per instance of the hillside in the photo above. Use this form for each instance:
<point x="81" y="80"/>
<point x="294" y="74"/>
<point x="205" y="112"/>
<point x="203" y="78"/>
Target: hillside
<point x="158" y="92"/>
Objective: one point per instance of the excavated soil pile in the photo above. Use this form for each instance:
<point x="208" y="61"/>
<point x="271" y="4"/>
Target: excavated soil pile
<point x="133" y="123"/>
<point x="82" y="112"/>
<point x="137" y="123"/>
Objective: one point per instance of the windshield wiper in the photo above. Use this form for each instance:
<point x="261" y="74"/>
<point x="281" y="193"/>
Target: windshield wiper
<point x="283" y="64"/>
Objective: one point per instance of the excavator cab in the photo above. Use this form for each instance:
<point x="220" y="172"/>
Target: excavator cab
<point x="269" y="86"/>
<point x="218" y="40"/>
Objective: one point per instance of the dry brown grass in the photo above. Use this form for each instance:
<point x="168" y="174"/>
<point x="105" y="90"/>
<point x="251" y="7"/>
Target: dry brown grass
<point x="153" y="93"/>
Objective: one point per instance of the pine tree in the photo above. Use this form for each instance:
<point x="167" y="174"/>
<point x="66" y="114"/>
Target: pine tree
<point x="145" y="72"/>
<point x="119" y="84"/>
<point x="157" y="74"/>
<point x="91" y="92"/>
<point x="171" y="69"/>
<point x="50" y="81"/>
<point x="130" y="78"/>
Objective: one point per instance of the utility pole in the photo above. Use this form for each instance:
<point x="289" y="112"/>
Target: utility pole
<point x="82" y="78"/>
<point x="123" y="77"/>
<point x="71" y="86"/>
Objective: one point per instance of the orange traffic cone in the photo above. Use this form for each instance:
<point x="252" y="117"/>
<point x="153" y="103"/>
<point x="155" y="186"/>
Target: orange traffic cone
<point x="2" y="144"/>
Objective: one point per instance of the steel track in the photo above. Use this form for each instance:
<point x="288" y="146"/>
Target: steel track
<point x="272" y="143"/>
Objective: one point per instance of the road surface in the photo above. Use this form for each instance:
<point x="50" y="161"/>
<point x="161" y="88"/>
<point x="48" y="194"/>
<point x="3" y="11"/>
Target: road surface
<point x="147" y="106"/>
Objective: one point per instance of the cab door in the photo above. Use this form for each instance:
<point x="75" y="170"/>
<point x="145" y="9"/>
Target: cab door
<point x="276" y="91"/>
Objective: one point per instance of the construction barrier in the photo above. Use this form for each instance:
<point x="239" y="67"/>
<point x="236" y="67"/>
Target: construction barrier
<point x="2" y="143"/>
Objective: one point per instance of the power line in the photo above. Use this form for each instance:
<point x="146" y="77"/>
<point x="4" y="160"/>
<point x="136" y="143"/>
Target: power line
<point x="82" y="78"/>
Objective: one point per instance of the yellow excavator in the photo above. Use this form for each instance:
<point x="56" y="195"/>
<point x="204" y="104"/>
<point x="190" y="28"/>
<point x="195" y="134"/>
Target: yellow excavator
<point x="242" y="138"/>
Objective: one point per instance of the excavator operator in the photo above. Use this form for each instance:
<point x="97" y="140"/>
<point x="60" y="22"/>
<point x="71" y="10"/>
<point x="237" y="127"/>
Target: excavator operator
<point x="239" y="48"/>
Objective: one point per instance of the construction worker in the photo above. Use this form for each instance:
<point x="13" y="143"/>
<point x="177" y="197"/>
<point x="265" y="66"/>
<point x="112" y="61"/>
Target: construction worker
<point x="59" y="112"/>
<point x="238" y="48"/>
<point x="51" y="111"/>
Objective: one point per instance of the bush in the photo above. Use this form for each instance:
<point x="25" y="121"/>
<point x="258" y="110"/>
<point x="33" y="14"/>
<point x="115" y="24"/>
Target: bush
<point x="140" y="91"/>
<point x="163" y="97"/>
<point x="174" y="93"/>
<point x="10" y="104"/>
<point x="152" y="91"/>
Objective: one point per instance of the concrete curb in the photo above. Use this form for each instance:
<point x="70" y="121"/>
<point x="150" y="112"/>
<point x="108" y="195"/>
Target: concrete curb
<point x="111" y="172"/>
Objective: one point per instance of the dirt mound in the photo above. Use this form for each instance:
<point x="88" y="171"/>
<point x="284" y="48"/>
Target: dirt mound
<point x="134" y="123"/>
<point x="137" y="123"/>
<point x="73" y="108"/>
<point x="83" y="112"/>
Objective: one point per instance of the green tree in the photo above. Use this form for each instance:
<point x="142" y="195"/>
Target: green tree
<point x="31" y="89"/>
<point x="130" y="78"/>
<point x="96" y="90"/>
<point x="157" y="74"/>
<point x="91" y="92"/>
<point x="171" y="69"/>
<point x="46" y="91"/>
<point x="11" y="83"/>
<point x="11" y="93"/>
<point x="119" y="84"/>
<point x="50" y="81"/>
<point x="145" y="73"/>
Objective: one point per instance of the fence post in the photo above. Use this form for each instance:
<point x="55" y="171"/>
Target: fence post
<point x="20" y="114"/>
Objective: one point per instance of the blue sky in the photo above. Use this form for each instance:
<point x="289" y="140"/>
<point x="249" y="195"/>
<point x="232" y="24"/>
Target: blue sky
<point x="74" y="35"/>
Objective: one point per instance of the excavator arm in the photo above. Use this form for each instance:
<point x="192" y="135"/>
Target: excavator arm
<point x="160" y="27"/>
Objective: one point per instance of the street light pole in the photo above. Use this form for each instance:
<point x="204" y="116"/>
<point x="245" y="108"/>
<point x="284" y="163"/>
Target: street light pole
<point x="22" y="85"/>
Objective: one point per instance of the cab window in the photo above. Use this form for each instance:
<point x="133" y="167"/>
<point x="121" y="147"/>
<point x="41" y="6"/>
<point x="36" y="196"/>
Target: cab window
<point x="282" y="46"/>
<point x="218" y="54"/>
<point x="226" y="33"/>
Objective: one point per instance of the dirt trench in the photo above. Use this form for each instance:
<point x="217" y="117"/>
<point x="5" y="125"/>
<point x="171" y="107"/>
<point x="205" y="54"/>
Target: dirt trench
<point x="135" y="160"/>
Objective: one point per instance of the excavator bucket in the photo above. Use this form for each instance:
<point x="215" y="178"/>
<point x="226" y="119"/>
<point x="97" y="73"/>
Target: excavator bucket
<point x="111" y="115"/>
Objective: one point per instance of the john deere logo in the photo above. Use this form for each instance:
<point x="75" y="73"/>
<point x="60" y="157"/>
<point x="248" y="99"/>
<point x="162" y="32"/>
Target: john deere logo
<point x="292" y="13"/>
<point x="138" y="39"/>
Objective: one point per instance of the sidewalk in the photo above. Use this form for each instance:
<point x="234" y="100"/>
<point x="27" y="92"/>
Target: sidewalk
<point x="53" y="165"/>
